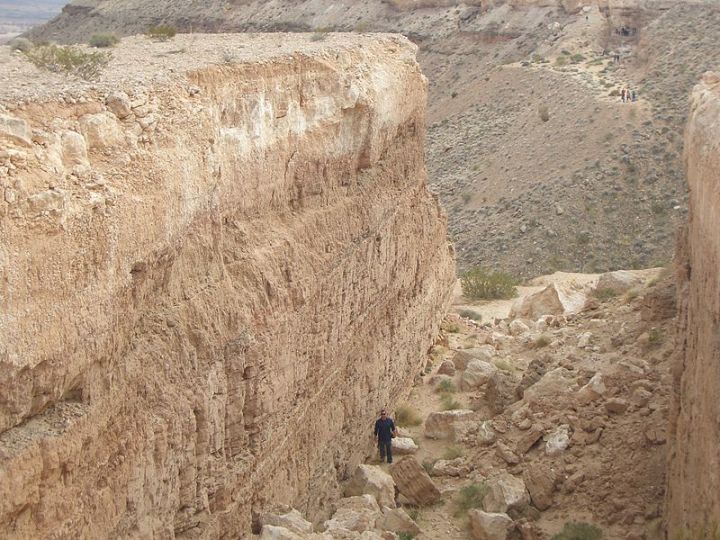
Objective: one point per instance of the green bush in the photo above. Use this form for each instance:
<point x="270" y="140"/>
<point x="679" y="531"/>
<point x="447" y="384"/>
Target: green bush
<point x="450" y="328"/>
<point x="407" y="416"/>
<point x="605" y="294"/>
<point x="101" y="41"/>
<point x="481" y="284"/>
<point x="579" y="531"/>
<point x="320" y="34"/>
<point x="577" y="58"/>
<point x="428" y="466"/>
<point x="21" y="44"/>
<point x="470" y="497"/>
<point x="406" y="535"/>
<point x="446" y="386"/>
<point x="470" y="314"/>
<point x="449" y="403"/>
<point x="69" y="59"/>
<point x="162" y="32"/>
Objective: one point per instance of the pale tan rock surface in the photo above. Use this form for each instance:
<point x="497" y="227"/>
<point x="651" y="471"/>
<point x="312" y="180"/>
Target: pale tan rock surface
<point x="186" y="288"/>
<point x="693" y="497"/>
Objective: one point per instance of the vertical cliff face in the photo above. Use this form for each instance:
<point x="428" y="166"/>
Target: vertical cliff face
<point x="693" y="505"/>
<point x="215" y="265"/>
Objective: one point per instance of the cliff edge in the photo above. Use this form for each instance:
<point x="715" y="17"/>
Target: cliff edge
<point x="215" y="266"/>
<point x="693" y="500"/>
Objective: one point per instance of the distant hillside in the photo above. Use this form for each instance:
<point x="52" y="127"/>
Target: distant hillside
<point x="17" y="16"/>
<point x="538" y="162"/>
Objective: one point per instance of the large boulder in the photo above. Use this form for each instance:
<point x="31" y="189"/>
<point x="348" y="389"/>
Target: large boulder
<point x="551" y="387"/>
<point x="501" y="391"/>
<point x="489" y="526"/>
<point x="447" y="368"/>
<point x="450" y="467"/>
<point x="441" y="425"/>
<point x="354" y="514"/>
<point x="15" y="130"/>
<point x="506" y="494"/>
<point x="371" y="480"/>
<point x="273" y="532"/>
<point x="483" y="352"/>
<point x="102" y="131"/>
<point x="476" y="374"/>
<point x="413" y="482"/>
<point x="540" y="483"/>
<point x="552" y="300"/>
<point x="396" y="520"/>
<point x="291" y="520"/>
<point x="558" y="441"/>
<point x="619" y="282"/>
<point x="403" y="446"/>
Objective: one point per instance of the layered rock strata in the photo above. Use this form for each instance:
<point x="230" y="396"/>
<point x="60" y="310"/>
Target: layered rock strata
<point x="216" y="263"/>
<point x="693" y="500"/>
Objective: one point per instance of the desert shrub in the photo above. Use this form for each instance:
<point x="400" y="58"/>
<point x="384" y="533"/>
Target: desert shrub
<point x="579" y="531"/>
<point x="656" y="337"/>
<point x="605" y="294"/>
<point x="414" y="514"/>
<point x="470" y="314"/>
<point x="577" y="58"/>
<point x="320" y="34"/>
<point x="543" y="113"/>
<point x="452" y="452"/>
<point x="162" y="32"/>
<point x="104" y="40"/>
<point x="428" y="466"/>
<point x="449" y="403"/>
<point x="481" y="284"/>
<point x="542" y="341"/>
<point x="446" y="386"/>
<point x="69" y="59"/>
<point x="561" y="61"/>
<point x="21" y="44"/>
<point x="450" y="328"/>
<point x="470" y="497"/>
<point x="631" y="295"/>
<point x="406" y="535"/>
<point x="407" y="416"/>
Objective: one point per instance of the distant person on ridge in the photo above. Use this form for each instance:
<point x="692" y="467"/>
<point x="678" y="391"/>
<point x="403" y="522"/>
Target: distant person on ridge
<point x="384" y="433"/>
<point x="634" y="95"/>
<point x="623" y="94"/>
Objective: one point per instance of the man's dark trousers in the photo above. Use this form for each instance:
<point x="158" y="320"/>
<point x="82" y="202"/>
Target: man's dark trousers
<point x="385" y="449"/>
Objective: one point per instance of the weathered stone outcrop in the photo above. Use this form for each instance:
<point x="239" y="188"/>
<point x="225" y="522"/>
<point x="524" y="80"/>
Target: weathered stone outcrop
<point x="215" y="266"/>
<point x="693" y="497"/>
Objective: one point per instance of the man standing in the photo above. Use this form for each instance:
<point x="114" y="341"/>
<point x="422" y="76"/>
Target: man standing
<point x="384" y="433"/>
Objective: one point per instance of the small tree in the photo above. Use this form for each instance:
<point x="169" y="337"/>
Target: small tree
<point x="482" y="284"/>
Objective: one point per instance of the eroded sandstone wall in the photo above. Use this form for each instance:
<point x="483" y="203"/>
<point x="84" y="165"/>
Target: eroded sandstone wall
<point x="216" y="263"/>
<point x="693" y="503"/>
